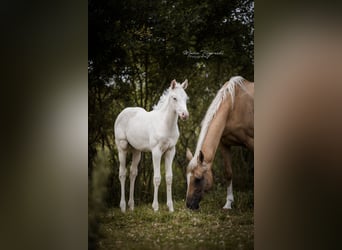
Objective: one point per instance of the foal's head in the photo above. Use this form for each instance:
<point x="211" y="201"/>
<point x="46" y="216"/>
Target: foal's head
<point x="199" y="179"/>
<point x="178" y="98"/>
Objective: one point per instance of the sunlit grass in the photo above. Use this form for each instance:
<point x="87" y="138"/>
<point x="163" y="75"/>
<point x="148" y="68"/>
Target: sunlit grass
<point x="209" y="228"/>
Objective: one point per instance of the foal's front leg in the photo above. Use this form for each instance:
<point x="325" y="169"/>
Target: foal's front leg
<point x="169" y="155"/>
<point x="156" y="156"/>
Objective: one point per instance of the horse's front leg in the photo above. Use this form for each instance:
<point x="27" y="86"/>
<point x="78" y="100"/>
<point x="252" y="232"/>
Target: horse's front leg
<point x="156" y="156"/>
<point x="169" y="155"/>
<point x="227" y="160"/>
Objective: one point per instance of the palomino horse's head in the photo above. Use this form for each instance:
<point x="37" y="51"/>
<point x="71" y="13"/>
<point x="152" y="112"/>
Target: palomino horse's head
<point x="199" y="179"/>
<point x="178" y="98"/>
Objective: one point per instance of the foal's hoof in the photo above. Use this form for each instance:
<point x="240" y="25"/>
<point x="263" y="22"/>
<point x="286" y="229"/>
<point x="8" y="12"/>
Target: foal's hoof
<point x="155" y="207"/>
<point x="123" y="206"/>
<point x="170" y="206"/>
<point x="131" y="205"/>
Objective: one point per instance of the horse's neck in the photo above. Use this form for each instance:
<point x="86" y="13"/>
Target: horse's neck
<point x="168" y="116"/>
<point x="215" y="130"/>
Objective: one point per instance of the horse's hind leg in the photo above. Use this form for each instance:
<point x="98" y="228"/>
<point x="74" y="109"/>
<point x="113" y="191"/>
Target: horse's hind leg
<point x="227" y="160"/>
<point x="133" y="174"/>
<point x="122" y="148"/>
<point x="156" y="156"/>
<point x="169" y="155"/>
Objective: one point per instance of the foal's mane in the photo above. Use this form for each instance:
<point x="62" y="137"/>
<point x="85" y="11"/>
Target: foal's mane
<point x="214" y="106"/>
<point x="163" y="99"/>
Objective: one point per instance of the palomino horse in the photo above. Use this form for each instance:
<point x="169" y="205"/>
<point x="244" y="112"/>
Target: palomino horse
<point x="156" y="131"/>
<point x="229" y="121"/>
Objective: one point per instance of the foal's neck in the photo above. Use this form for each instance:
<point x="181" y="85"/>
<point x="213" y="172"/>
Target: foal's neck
<point x="169" y="116"/>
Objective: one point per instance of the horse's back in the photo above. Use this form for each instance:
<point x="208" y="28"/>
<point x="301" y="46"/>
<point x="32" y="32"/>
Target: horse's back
<point x="132" y="126"/>
<point x="124" y="119"/>
<point x="239" y="128"/>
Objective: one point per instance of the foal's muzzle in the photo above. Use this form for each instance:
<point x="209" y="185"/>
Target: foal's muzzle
<point x="184" y="115"/>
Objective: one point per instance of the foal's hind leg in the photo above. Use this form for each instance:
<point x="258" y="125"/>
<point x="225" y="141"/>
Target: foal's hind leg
<point x="122" y="148"/>
<point x="133" y="174"/>
<point x="227" y="160"/>
<point x="156" y="156"/>
<point x="169" y="155"/>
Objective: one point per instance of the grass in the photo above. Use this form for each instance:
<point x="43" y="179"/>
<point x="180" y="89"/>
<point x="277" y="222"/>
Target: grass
<point x="209" y="228"/>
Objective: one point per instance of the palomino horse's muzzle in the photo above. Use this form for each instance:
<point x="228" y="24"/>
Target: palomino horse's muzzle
<point x="192" y="205"/>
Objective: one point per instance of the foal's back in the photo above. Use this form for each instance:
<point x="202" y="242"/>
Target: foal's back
<point x="132" y="126"/>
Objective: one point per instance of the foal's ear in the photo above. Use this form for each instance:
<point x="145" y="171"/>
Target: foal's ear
<point x="185" y="84"/>
<point x="201" y="157"/>
<point x="189" y="155"/>
<point x="173" y="84"/>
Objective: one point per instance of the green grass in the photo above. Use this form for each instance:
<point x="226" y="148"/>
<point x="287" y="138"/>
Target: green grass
<point x="209" y="228"/>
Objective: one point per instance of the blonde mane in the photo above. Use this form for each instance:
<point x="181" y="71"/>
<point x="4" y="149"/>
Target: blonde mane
<point x="214" y="106"/>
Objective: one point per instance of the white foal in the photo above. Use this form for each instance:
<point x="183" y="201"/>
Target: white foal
<point x="156" y="131"/>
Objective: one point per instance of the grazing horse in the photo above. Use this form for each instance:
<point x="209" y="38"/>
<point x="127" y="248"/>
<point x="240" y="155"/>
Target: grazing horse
<point x="137" y="130"/>
<point x="229" y="121"/>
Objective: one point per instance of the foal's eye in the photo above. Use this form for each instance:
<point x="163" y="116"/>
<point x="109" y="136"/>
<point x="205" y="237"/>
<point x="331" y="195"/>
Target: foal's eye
<point x="174" y="98"/>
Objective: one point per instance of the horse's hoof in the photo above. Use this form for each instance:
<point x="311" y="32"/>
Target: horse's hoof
<point x="123" y="206"/>
<point x="131" y="205"/>
<point x="155" y="207"/>
<point x="170" y="206"/>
